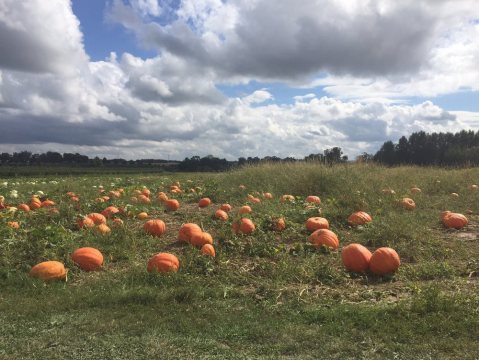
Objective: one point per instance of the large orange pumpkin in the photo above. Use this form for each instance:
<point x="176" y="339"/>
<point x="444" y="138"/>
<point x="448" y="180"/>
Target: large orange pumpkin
<point x="315" y="223"/>
<point x="143" y="199"/>
<point x="97" y="218"/>
<point x="49" y="270"/>
<point x="201" y="238"/>
<point x="48" y="203"/>
<point x="163" y="262"/>
<point x="103" y="229"/>
<point x="85" y="222"/>
<point x="356" y="257"/>
<point x="359" y="218"/>
<point x="172" y="204"/>
<point x="454" y="220"/>
<point x="324" y="237"/>
<point x="244" y="225"/>
<point x="384" y="261"/>
<point x="88" y="258"/>
<point x="204" y="202"/>
<point x="155" y="227"/>
<point x="187" y="231"/>
<point x="162" y="196"/>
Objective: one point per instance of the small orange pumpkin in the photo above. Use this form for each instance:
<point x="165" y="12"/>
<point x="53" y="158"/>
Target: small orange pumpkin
<point x="221" y="215"/>
<point x="23" y="207"/>
<point x="163" y="262"/>
<point x="208" y="249"/>
<point x="109" y="211"/>
<point x="13" y="224"/>
<point x="49" y="270"/>
<point x="324" y="237"/>
<point x="286" y="198"/>
<point x="384" y="261"/>
<point x="408" y="204"/>
<point x="88" y="258"/>
<point x="245" y="209"/>
<point x="85" y="222"/>
<point x="267" y="195"/>
<point x="143" y="199"/>
<point x="359" y="218"/>
<point x="48" y="203"/>
<point x="204" y="202"/>
<point x="142" y="216"/>
<point x="313" y="199"/>
<point x="162" y="196"/>
<point x="155" y="227"/>
<point x="279" y="224"/>
<point x="117" y="222"/>
<point x="356" y="257"/>
<point x="103" y="229"/>
<point x="226" y="207"/>
<point x="315" y="223"/>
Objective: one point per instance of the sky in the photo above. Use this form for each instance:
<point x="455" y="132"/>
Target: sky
<point x="177" y="78"/>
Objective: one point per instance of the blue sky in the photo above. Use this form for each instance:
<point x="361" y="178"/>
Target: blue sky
<point x="234" y="78"/>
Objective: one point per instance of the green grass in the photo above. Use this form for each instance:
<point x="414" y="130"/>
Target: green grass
<point x="268" y="295"/>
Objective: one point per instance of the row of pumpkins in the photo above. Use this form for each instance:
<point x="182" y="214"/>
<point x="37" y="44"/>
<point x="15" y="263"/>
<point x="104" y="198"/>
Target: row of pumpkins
<point x="355" y="257"/>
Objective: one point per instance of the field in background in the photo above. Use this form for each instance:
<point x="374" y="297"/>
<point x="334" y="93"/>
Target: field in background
<point x="267" y="295"/>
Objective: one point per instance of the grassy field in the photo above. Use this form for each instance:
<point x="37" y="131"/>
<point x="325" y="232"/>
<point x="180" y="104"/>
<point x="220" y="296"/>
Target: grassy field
<point x="266" y="295"/>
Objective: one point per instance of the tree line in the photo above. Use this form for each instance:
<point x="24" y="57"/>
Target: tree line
<point x="444" y="149"/>
<point x="195" y="163"/>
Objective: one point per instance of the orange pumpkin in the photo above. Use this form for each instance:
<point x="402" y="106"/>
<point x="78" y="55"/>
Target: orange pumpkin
<point x="88" y="258"/>
<point x="201" y="238"/>
<point x="245" y="209"/>
<point x="384" y="261"/>
<point x="244" y="225"/>
<point x="13" y="224"/>
<point x="172" y="204"/>
<point x="204" y="202"/>
<point x="144" y="199"/>
<point x="103" y="229"/>
<point x="315" y="223"/>
<point x="356" y="257"/>
<point x="359" y="218"/>
<point x="23" y="207"/>
<point x="324" y="237"/>
<point x="187" y="231"/>
<point x="286" y="198"/>
<point x="97" y="218"/>
<point x="162" y="196"/>
<point x="454" y="220"/>
<point x="208" y="249"/>
<point x="145" y="192"/>
<point x="49" y="270"/>
<point x="163" y="262"/>
<point x="85" y="222"/>
<point x="313" y="199"/>
<point x="226" y="207"/>
<point x="388" y="191"/>
<point x="47" y="203"/>
<point x="109" y="211"/>
<point x="35" y="203"/>
<point x="268" y="195"/>
<point x="279" y="224"/>
<point x="221" y="215"/>
<point x="142" y="216"/>
<point x="155" y="227"/>
<point x="117" y="222"/>
<point x="408" y="204"/>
